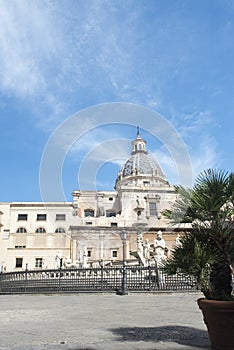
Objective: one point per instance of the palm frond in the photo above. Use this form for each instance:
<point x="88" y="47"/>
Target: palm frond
<point x="193" y="258"/>
<point x="209" y="207"/>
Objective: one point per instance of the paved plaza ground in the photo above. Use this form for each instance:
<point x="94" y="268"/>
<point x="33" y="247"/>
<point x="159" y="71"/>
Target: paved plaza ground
<point x="102" y="322"/>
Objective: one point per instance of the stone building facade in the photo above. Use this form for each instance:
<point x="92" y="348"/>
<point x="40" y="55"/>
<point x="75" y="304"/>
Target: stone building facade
<point x="87" y="231"/>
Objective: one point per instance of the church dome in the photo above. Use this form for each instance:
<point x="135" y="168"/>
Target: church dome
<point x="141" y="164"/>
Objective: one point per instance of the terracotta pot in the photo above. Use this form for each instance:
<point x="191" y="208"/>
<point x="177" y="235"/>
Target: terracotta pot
<point x="219" y="319"/>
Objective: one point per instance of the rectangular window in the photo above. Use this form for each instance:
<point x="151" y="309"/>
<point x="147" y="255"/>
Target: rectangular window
<point x="23" y="217"/>
<point x="146" y="183"/>
<point x="88" y="212"/>
<point x="6" y="234"/>
<point x="38" y="262"/>
<point x="20" y="246"/>
<point x="41" y="217"/>
<point x="114" y="253"/>
<point x="110" y="213"/>
<point x="114" y="224"/>
<point x="153" y="209"/>
<point x="60" y="217"/>
<point x="88" y="223"/>
<point x="89" y="253"/>
<point x="19" y="262"/>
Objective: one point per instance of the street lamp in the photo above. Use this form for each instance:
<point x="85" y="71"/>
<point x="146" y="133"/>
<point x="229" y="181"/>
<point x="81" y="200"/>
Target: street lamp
<point x="124" y="290"/>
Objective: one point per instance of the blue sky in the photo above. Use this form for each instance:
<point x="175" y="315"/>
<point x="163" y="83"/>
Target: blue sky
<point x="57" y="58"/>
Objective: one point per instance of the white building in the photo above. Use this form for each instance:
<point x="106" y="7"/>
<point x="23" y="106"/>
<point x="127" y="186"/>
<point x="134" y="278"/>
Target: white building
<point x="88" y="229"/>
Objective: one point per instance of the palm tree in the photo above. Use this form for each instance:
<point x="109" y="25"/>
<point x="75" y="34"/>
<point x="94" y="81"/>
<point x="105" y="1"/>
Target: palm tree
<point x="207" y="250"/>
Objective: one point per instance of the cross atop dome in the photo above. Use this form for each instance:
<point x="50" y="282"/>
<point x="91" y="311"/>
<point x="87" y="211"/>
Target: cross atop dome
<point x="138" y="132"/>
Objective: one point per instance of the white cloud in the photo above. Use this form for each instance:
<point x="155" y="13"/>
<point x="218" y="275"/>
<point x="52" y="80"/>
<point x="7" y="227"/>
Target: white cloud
<point x="55" y="54"/>
<point x="167" y="165"/>
<point x="113" y="152"/>
<point x="49" y="49"/>
<point x="101" y="145"/>
<point x="205" y="155"/>
<point x="27" y="41"/>
<point x="190" y="123"/>
<point x="85" y="53"/>
<point x="195" y="128"/>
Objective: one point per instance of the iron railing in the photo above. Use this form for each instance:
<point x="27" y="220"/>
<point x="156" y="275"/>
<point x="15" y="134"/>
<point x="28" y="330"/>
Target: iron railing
<point x="103" y="279"/>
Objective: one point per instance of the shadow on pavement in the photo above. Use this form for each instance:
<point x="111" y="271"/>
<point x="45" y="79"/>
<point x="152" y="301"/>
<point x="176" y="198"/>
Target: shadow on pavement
<point x="178" y="334"/>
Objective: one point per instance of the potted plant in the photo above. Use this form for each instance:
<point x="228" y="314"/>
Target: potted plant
<point x="206" y="251"/>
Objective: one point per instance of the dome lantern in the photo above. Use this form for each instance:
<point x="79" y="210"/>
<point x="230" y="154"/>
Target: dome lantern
<point x="138" y="145"/>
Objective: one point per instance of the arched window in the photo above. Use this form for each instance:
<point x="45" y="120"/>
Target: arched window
<point x="60" y="230"/>
<point x="21" y="230"/>
<point x="40" y="230"/>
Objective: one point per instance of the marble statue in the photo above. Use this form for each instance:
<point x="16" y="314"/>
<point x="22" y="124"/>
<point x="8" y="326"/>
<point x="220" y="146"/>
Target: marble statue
<point x="44" y="265"/>
<point x="85" y="258"/>
<point x="178" y="241"/>
<point x="140" y="243"/>
<point x="160" y="256"/>
<point x="147" y="250"/>
<point x="58" y="259"/>
<point x="159" y="248"/>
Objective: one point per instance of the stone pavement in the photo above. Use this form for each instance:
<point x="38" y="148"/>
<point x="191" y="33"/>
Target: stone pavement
<point x="164" y="321"/>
